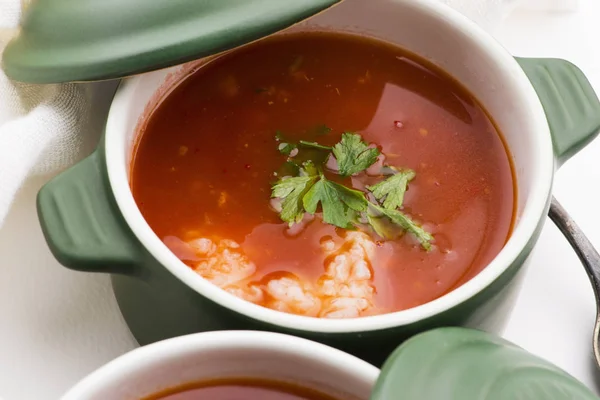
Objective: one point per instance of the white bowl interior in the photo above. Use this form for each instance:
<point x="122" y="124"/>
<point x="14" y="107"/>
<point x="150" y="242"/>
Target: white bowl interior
<point x="217" y="355"/>
<point x="436" y="33"/>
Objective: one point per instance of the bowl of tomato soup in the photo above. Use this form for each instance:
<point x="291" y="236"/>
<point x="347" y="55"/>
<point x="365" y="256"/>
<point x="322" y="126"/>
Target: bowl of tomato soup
<point x="367" y="174"/>
<point x="250" y="365"/>
<point x="230" y="365"/>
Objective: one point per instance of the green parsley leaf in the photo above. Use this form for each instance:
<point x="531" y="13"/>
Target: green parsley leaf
<point x="291" y="191"/>
<point x="392" y="190"/>
<point x="308" y="169"/>
<point x="339" y="203"/>
<point x="353" y="155"/>
<point x="403" y="221"/>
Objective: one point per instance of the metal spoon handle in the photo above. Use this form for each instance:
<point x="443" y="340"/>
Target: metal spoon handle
<point x="587" y="254"/>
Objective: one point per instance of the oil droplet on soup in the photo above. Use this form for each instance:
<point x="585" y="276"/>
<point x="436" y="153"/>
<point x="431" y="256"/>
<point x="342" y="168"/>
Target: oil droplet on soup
<point x="211" y="152"/>
<point x="247" y="389"/>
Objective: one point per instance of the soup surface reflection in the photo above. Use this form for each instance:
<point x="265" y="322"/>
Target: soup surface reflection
<point x="249" y="172"/>
<point x="237" y="389"/>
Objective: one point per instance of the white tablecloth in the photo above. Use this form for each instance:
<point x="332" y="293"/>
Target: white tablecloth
<point x="57" y="326"/>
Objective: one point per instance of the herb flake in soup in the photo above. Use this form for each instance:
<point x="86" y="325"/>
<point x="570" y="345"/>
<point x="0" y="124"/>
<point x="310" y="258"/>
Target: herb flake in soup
<point x="325" y="175"/>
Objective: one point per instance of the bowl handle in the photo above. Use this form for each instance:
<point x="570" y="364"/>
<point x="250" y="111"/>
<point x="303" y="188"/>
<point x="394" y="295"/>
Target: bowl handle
<point x="81" y="222"/>
<point x="570" y="103"/>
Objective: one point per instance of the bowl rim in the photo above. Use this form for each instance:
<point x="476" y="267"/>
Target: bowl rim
<point x="533" y="212"/>
<point x="163" y="352"/>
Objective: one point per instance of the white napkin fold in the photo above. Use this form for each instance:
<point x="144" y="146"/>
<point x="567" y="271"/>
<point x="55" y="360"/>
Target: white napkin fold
<point x="42" y="126"/>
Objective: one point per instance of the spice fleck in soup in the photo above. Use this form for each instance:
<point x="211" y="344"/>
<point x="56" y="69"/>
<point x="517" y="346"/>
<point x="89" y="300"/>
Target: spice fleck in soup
<point x="237" y="389"/>
<point x="325" y="175"/>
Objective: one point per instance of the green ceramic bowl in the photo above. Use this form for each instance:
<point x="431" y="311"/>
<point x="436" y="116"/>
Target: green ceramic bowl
<point x="546" y="110"/>
<point x="443" y="364"/>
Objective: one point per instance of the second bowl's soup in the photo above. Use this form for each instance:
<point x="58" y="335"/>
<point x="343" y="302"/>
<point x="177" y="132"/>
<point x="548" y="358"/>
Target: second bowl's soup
<point x="421" y="176"/>
<point x="241" y="388"/>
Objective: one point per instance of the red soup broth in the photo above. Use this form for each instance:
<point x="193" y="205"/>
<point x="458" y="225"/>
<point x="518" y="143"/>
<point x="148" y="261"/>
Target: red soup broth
<point x="237" y="389"/>
<point x="209" y="153"/>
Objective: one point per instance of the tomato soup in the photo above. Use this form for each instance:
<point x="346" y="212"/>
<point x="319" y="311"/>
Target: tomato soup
<point x="326" y="175"/>
<point x="236" y="389"/>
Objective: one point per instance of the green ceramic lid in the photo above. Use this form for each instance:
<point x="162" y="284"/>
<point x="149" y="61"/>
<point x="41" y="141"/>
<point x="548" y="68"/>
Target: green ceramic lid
<point x="464" y="364"/>
<point x="85" y="40"/>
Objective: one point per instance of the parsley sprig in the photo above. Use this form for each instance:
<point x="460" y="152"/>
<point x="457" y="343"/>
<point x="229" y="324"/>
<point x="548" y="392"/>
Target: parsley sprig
<point x="353" y="155"/>
<point x="391" y="191"/>
<point x="342" y="206"/>
<point x="379" y="218"/>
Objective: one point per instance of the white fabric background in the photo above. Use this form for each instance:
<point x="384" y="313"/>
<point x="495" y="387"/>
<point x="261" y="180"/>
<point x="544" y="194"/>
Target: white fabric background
<point x="42" y="127"/>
